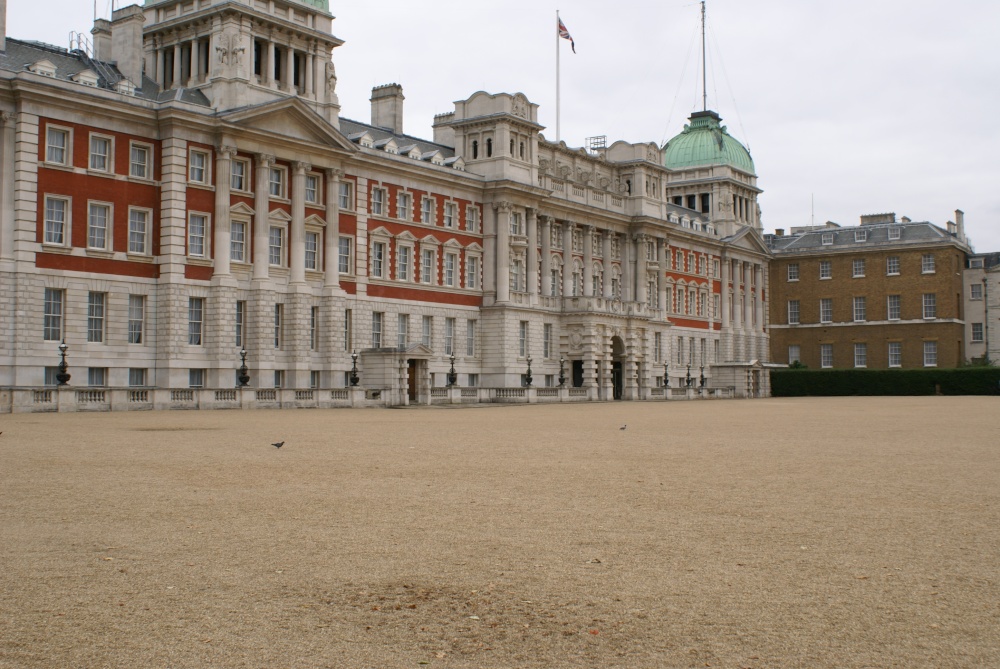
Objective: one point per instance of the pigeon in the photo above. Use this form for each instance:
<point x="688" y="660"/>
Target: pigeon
<point x="622" y="428"/>
<point x="278" y="444"/>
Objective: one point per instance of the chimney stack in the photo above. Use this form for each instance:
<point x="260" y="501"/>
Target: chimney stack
<point x="779" y="232"/>
<point x="126" y="42"/>
<point x="3" y="25"/>
<point x="387" y="107"/>
<point x="960" y="224"/>
<point x="102" y="39"/>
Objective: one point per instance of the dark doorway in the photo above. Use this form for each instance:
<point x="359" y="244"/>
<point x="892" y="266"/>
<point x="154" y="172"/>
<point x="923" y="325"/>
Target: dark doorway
<point x="411" y="379"/>
<point x="616" y="379"/>
<point x="578" y="373"/>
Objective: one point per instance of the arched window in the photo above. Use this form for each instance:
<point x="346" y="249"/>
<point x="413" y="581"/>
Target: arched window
<point x="475" y="149"/>
<point x="489" y="147"/>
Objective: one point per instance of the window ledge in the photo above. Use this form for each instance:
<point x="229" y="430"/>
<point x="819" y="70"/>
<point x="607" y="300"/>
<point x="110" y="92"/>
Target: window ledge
<point x="201" y="186"/>
<point x="48" y="247"/>
<point x="65" y="167"/>
<point x="108" y="174"/>
<point x="100" y="253"/>
<point x="137" y="257"/>
<point x="200" y="261"/>
<point x="892" y="273"/>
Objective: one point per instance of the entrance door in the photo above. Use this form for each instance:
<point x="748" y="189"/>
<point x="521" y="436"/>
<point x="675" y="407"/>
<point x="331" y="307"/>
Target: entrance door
<point x="578" y="373"/>
<point x="411" y="379"/>
<point x="616" y="379"/>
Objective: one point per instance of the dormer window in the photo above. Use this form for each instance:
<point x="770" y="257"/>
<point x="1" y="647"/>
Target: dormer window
<point x="860" y="235"/>
<point x="43" y="67"/>
<point x="827" y="238"/>
<point x="894" y="232"/>
<point x="87" y="78"/>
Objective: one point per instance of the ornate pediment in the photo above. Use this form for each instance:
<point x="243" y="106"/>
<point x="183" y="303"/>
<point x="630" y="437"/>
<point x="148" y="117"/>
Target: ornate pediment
<point x="288" y="118"/>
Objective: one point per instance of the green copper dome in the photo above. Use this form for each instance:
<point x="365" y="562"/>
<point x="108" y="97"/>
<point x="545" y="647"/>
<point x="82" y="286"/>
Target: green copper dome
<point x="706" y="142"/>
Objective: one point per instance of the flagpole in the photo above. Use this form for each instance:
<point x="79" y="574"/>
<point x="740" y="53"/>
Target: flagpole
<point x="557" y="75"/>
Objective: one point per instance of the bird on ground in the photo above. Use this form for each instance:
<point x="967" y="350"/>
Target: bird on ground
<point x="622" y="428"/>
<point x="278" y="444"/>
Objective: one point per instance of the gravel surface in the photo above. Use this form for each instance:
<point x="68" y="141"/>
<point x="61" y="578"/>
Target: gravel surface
<point x="847" y="532"/>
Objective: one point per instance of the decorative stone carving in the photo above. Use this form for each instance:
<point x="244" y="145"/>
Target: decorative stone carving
<point x="543" y="165"/>
<point x="265" y="159"/>
<point x="302" y="166"/>
<point x="584" y="176"/>
<point x="230" y="49"/>
<point x="576" y="339"/>
<point x="564" y="171"/>
<point x="334" y="173"/>
<point x="331" y="77"/>
<point x="226" y="151"/>
<point x="520" y="106"/>
<point x="604" y="182"/>
<point x="502" y="207"/>
<point x="652" y="155"/>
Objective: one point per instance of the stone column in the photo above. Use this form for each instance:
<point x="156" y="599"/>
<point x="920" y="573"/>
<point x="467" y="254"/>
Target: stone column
<point x="567" y="259"/>
<point x="588" y="260"/>
<point x="8" y="121"/>
<point x="532" y="256"/>
<point x="759" y="279"/>
<point x="606" y="252"/>
<point x="290" y="69"/>
<point x="261" y="211"/>
<point x="546" y="263"/>
<point x="628" y="267"/>
<point x="725" y="264"/>
<point x="161" y="72"/>
<point x="195" y="58"/>
<point x="748" y="297"/>
<point x="503" y="251"/>
<point x="223" y="164"/>
<point x="737" y="298"/>
<point x="331" y="248"/>
<point x="177" y="80"/>
<point x="640" y="269"/>
<point x="307" y="73"/>
<point x="269" y="69"/>
<point x="297" y="238"/>
<point x="661" y="276"/>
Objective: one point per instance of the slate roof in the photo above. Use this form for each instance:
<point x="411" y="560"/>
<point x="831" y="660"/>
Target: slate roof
<point x="20" y="54"/>
<point x="349" y="128"/>
<point x="877" y="236"/>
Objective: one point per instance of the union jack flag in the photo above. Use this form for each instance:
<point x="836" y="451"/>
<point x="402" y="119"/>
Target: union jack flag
<point x="565" y="34"/>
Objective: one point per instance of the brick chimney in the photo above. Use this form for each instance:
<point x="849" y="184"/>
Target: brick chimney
<point x="387" y="107"/>
<point x="126" y="42"/>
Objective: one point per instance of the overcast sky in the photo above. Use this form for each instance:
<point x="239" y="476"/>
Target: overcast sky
<point x="861" y="106"/>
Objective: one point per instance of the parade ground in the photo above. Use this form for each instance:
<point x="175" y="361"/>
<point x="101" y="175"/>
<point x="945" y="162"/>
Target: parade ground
<point x="835" y="532"/>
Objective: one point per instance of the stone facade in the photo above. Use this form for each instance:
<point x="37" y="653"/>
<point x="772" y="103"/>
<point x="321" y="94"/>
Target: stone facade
<point x="884" y="294"/>
<point x="206" y="196"/>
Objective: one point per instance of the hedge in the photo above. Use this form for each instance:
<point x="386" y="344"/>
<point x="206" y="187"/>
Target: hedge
<point x="834" y="382"/>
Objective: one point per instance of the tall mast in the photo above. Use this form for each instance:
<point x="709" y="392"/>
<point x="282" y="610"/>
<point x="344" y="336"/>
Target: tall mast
<point x="704" y="85"/>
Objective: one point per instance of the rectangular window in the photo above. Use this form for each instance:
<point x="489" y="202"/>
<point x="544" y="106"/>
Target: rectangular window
<point x="57" y="146"/>
<point x="826" y="355"/>
<point x="858" y="267"/>
<point x="860" y="309"/>
<point x="238" y="241"/>
<point x="402" y="330"/>
<point x="98" y="220"/>
<point x="517" y="275"/>
<point x="196" y="320"/>
<point x="238" y="170"/>
<point x="977" y="332"/>
<point x="793" y="312"/>
<point x="314" y="379"/>
<point x="450" y="214"/>
<point x="378" y="260"/>
<point x="826" y="310"/>
<point x="427" y="331"/>
<point x="97" y="376"/>
<point x="449" y="336"/>
<point x="894" y="232"/>
<point x="136" y="376"/>
<point x="827" y="239"/>
<point x="976" y="291"/>
<point x="930" y="305"/>
<point x="930" y="354"/>
<point x="927" y="263"/>
<point x="136" y="317"/>
<point x="344" y="193"/>
<point x="344" y="255"/>
<point x="279" y="325"/>
<point x="547" y="340"/>
<point x="312" y="251"/>
<point x="138" y="231"/>
<point x="860" y="235"/>
<point x="241" y="322"/>
<point x="825" y="269"/>
<point x="276" y="178"/>
<point x="893" y="307"/>
<point x="377" y="320"/>
<point x="471" y="218"/>
<point x="895" y="354"/>
<point x="404" y="263"/>
<point x="197" y="228"/>
<point x="276" y="246"/>
<point x="140" y="161"/>
<point x="892" y="265"/>
<point x="657" y="346"/>
<point x="96" y="307"/>
<point x="378" y="202"/>
<point x="403" y="203"/>
<point x="348" y="330"/>
<point x="427" y="211"/>
<point x="794" y="354"/>
<point x="473" y="380"/>
<point x="100" y="153"/>
<point x="198" y="167"/>
<point x="522" y="338"/>
<point x="312" y="189"/>
<point x="314" y="328"/>
<point x="52" y="314"/>
<point x="793" y="271"/>
<point x="861" y="355"/>
<point x="450" y="263"/>
<point x="427" y="263"/>
<point x="56" y="221"/>
<point x="196" y="378"/>
<point x="470" y="338"/>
